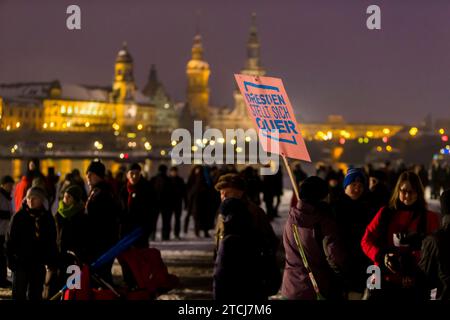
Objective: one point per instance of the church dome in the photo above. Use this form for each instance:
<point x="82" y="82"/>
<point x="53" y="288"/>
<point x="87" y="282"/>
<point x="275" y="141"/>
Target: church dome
<point x="198" y="64"/>
<point x="123" y="55"/>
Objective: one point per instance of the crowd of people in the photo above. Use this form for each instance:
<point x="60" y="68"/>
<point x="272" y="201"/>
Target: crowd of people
<point x="341" y="224"/>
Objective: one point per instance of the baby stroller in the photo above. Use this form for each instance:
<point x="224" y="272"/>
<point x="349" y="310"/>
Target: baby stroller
<point x="145" y="264"/>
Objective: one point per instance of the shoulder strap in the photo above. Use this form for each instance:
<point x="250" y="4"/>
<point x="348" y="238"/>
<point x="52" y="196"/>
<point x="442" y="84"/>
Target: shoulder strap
<point x="305" y="262"/>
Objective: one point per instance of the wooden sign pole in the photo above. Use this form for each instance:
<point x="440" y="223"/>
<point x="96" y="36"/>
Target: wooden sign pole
<point x="291" y="176"/>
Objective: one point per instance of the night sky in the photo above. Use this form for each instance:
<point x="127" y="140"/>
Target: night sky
<point x="329" y="61"/>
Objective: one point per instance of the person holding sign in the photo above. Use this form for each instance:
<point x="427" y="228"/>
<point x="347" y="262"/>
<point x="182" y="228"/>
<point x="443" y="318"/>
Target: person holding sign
<point x="314" y="255"/>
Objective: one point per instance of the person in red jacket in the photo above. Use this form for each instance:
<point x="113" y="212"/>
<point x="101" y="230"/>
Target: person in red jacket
<point x="394" y="237"/>
<point x="25" y="183"/>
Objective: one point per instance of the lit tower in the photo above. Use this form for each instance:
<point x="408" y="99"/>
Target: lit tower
<point x="123" y="85"/>
<point x="197" y="71"/>
<point x="253" y="63"/>
<point x="252" y="67"/>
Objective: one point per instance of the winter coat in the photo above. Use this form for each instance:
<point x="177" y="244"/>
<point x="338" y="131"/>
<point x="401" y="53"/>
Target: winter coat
<point x="324" y="253"/>
<point x="352" y="218"/>
<point x="237" y="272"/>
<point x="71" y="233"/>
<point x="261" y="225"/>
<point x="270" y="187"/>
<point x="202" y="202"/>
<point x="103" y="210"/>
<point x="435" y="261"/>
<point x="378" y="239"/>
<point x="162" y="187"/>
<point x="178" y="191"/>
<point x="20" y="191"/>
<point x="31" y="239"/>
<point x="6" y="211"/>
<point x="137" y="207"/>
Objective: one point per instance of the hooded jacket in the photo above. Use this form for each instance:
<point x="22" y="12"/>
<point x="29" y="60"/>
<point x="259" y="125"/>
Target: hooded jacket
<point x="324" y="253"/>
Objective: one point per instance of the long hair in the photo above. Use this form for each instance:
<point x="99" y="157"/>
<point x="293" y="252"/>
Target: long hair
<point x="417" y="186"/>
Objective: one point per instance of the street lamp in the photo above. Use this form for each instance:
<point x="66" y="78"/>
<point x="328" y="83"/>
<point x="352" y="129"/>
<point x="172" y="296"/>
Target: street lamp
<point x="413" y="131"/>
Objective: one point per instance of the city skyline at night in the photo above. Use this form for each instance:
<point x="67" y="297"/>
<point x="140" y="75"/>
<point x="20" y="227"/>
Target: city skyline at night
<point x="330" y="65"/>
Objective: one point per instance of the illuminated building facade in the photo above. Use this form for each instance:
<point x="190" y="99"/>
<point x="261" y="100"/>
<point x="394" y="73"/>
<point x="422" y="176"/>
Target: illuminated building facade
<point x="60" y="107"/>
<point x="140" y="119"/>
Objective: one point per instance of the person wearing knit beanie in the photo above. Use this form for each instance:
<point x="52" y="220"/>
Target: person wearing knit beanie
<point x="98" y="168"/>
<point x="354" y="183"/>
<point x="95" y="173"/>
<point x="36" y="193"/>
<point x="313" y="190"/>
<point x="75" y="191"/>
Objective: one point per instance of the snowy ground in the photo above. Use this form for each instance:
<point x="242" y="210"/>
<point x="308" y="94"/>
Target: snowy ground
<point x="191" y="259"/>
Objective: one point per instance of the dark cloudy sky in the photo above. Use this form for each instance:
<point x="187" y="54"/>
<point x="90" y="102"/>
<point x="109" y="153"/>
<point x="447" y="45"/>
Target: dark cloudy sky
<point x="329" y="61"/>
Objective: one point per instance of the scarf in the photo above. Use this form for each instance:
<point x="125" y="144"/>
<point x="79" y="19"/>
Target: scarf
<point x="132" y="189"/>
<point x="67" y="212"/>
<point x="36" y="214"/>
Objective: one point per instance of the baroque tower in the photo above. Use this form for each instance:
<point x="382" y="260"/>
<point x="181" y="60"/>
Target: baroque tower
<point x="252" y="67"/>
<point x="253" y="63"/>
<point x="197" y="71"/>
<point x="124" y="86"/>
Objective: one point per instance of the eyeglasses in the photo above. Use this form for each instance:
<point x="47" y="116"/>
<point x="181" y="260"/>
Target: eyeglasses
<point x="405" y="191"/>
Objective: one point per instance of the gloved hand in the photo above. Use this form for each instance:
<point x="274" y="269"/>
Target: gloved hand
<point x="391" y="261"/>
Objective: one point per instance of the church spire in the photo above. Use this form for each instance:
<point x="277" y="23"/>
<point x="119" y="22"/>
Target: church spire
<point x="197" y="48"/>
<point x="253" y="63"/>
<point x="197" y="72"/>
<point x="152" y="84"/>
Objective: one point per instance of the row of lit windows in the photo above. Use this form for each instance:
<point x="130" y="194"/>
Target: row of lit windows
<point x="84" y="111"/>
<point x="328" y="135"/>
<point x="68" y="124"/>
<point x="23" y="114"/>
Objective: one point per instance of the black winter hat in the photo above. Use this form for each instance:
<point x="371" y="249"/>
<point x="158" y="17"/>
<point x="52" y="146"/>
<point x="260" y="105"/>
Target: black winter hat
<point x="135" y="166"/>
<point x="162" y="169"/>
<point x="313" y="189"/>
<point x="75" y="191"/>
<point x="445" y="202"/>
<point x="97" y="167"/>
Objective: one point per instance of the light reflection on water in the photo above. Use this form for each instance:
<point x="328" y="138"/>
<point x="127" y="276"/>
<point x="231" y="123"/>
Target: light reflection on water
<point x="17" y="167"/>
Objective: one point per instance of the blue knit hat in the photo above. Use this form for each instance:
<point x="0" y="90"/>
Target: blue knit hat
<point x="354" y="174"/>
